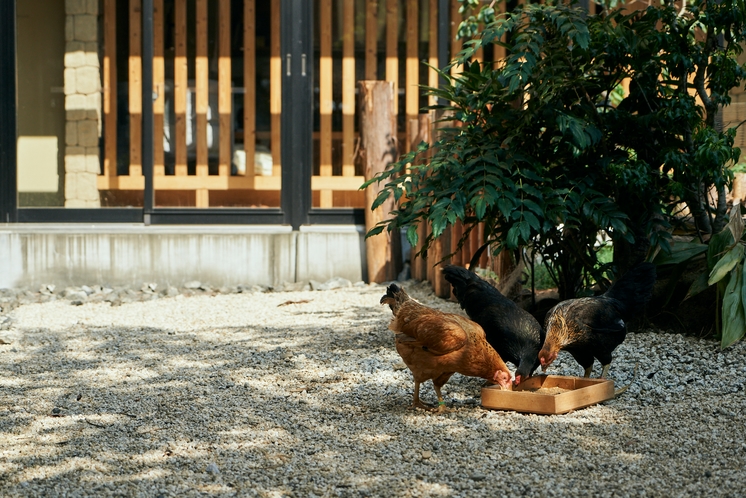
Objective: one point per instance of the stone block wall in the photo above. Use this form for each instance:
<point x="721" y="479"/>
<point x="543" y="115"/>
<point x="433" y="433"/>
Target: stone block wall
<point x="82" y="104"/>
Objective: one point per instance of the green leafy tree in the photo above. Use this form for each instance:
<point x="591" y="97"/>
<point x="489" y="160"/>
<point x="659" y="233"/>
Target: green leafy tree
<point x="548" y="153"/>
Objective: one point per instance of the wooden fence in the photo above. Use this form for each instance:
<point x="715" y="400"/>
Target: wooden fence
<point x="366" y="39"/>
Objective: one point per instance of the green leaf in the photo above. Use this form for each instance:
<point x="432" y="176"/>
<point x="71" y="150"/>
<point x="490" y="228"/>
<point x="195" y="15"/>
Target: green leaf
<point x="680" y="252"/>
<point x="525" y="230"/>
<point x="412" y="235"/>
<point x="718" y="244"/>
<point x="374" y="231"/>
<point x="726" y="264"/>
<point x="438" y="225"/>
<point x="513" y="235"/>
<point x="380" y="199"/>
<point x="699" y="285"/>
<point x="733" y="313"/>
<point x="531" y="219"/>
<point x="480" y="207"/>
<point x="735" y="225"/>
<point x="506" y="206"/>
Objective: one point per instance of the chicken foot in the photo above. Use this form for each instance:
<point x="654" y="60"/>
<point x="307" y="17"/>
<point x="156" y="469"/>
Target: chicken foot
<point x="416" y="403"/>
<point x="605" y="371"/>
<point x="588" y="372"/>
<point x="441" y="404"/>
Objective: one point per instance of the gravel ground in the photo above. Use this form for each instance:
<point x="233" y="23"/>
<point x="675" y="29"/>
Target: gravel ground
<point x="301" y="393"/>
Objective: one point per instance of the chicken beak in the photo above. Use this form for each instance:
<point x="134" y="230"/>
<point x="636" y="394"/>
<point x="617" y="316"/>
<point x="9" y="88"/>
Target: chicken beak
<point x="544" y="368"/>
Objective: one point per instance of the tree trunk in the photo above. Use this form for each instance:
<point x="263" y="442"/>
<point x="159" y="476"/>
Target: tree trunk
<point x="378" y="148"/>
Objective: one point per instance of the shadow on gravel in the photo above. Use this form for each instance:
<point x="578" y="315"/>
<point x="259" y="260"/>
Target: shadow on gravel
<point x="276" y="411"/>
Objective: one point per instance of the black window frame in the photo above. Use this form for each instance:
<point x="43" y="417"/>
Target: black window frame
<point x="295" y="198"/>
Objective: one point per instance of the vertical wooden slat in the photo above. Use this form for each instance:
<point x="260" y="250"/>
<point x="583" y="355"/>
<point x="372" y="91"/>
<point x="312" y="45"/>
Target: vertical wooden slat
<point x="484" y="259"/>
<point x="202" y="85"/>
<point x="434" y="255"/>
<point x="371" y="40"/>
<point x="180" y="87"/>
<point x="275" y="93"/>
<point x="392" y="55"/>
<point x="424" y="132"/>
<point x="473" y="241"/>
<point x="249" y="79"/>
<point x="455" y="44"/>
<point x="432" y="74"/>
<point x="456" y="233"/>
<point x="225" y="100"/>
<point x="420" y="263"/>
<point x="201" y="97"/>
<point x="325" y="96"/>
<point x="202" y="197"/>
<point x="135" y="88"/>
<point x="348" y="88"/>
<point x="412" y="91"/>
<point x="430" y="258"/>
<point x="110" y="88"/>
<point x="478" y="55"/>
<point x="159" y="85"/>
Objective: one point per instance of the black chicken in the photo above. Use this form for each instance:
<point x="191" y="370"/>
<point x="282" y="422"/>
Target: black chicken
<point x="511" y="330"/>
<point x="592" y="327"/>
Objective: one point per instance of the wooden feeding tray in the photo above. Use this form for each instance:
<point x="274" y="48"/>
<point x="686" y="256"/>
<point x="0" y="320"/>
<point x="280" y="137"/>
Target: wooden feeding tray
<point x="549" y="394"/>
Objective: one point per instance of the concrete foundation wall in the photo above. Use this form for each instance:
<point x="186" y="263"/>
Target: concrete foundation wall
<point x="72" y="255"/>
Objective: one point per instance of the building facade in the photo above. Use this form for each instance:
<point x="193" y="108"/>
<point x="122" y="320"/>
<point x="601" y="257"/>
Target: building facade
<point x="128" y="124"/>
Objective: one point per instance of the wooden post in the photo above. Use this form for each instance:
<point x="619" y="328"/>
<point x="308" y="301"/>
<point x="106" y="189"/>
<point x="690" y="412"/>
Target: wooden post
<point x="419" y="130"/>
<point x="378" y="149"/>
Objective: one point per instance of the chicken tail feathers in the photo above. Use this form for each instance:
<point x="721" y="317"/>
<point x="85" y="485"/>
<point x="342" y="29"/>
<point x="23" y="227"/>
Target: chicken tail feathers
<point x="394" y="297"/>
<point x="634" y="289"/>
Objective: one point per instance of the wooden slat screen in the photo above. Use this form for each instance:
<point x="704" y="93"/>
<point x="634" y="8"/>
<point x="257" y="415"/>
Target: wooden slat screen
<point x="194" y="108"/>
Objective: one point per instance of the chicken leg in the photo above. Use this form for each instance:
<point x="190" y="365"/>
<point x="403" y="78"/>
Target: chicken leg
<point x="605" y="371"/>
<point x="438" y="383"/>
<point x="416" y="403"/>
<point x="441" y="403"/>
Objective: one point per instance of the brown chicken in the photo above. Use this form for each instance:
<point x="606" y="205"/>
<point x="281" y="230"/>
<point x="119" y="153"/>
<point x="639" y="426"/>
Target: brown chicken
<point x="592" y="327"/>
<point x="435" y="345"/>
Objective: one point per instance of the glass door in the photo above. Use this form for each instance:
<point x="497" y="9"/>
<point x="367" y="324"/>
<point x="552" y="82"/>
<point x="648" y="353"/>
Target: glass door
<point x="217" y="103"/>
